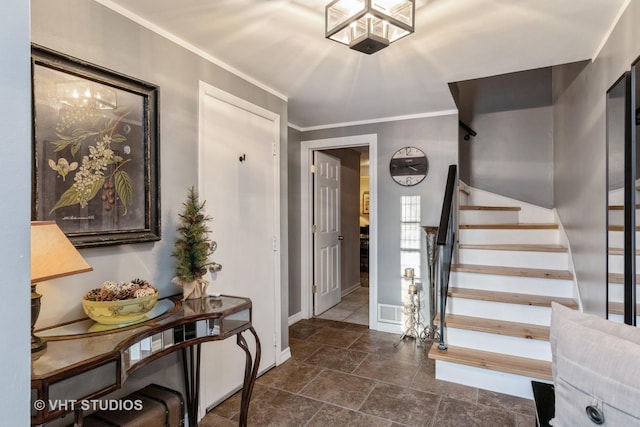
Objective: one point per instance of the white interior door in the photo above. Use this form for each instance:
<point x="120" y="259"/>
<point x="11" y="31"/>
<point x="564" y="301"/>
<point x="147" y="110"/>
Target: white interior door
<point x="326" y="243"/>
<point x="237" y="179"/>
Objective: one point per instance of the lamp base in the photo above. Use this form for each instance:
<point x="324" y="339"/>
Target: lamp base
<point x="37" y="344"/>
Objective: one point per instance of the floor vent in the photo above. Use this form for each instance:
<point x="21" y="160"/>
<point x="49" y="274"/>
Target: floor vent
<point x="390" y="313"/>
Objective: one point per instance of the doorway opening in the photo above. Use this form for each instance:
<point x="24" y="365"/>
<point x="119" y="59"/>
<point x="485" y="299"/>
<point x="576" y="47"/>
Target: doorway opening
<point x="359" y="291"/>
<point x="352" y="305"/>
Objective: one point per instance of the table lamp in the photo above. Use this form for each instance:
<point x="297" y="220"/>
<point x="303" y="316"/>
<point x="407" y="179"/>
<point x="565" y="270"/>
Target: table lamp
<point x="52" y="256"/>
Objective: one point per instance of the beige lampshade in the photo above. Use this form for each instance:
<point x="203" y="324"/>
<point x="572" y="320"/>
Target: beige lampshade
<point x="52" y="254"/>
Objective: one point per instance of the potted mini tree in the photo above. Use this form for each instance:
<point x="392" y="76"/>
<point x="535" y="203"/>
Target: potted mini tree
<point x="193" y="248"/>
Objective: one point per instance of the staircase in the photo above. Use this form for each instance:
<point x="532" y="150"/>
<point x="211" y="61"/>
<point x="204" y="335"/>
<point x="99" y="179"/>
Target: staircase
<point x="512" y="263"/>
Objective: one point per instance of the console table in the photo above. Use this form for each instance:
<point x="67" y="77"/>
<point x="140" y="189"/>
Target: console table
<point x="85" y="360"/>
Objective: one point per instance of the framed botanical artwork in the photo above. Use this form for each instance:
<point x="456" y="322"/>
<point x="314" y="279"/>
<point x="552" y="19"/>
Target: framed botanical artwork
<point x="365" y="203"/>
<point x="95" y="151"/>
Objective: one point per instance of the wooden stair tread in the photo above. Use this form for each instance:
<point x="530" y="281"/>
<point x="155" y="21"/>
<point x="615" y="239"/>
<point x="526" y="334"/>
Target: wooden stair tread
<point x="618" y="308"/>
<point x="494" y="361"/>
<point x="618" y="228"/>
<point x="515" y="247"/>
<point x="519" y="226"/>
<point x="514" y="271"/>
<point x="492" y="326"/>
<point x="511" y="297"/>
<point x="619" y="251"/>
<point x="620" y="207"/>
<point x="489" y="208"/>
<point x="619" y="278"/>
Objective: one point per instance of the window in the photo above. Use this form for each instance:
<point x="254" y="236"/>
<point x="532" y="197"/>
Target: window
<point x="410" y="235"/>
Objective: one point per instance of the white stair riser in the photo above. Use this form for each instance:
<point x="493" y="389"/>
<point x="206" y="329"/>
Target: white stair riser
<point x="516" y="284"/>
<point x="500" y="311"/>
<point x="526" y="259"/>
<point x="616" y="217"/>
<point x="616" y="263"/>
<point x="616" y="239"/>
<point x="514" y="346"/>
<point x="616" y="292"/>
<point x="488" y="217"/>
<point x="500" y="382"/>
<point x="509" y="236"/>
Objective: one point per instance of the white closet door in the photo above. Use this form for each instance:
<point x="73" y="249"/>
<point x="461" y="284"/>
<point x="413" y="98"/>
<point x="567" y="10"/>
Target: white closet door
<point x="238" y="181"/>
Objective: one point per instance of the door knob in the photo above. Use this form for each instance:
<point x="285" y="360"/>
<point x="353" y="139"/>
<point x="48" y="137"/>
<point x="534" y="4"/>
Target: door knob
<point x="340" y="237"/>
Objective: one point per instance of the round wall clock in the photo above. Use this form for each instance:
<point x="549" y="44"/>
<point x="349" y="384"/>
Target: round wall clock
<point x="409" y="166"/>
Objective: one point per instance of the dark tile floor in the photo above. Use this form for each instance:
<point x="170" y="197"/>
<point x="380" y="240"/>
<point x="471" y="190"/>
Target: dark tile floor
<point x="343" y="374"/>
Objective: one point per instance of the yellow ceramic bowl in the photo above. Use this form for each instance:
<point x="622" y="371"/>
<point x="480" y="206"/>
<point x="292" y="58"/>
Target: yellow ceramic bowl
<point x="119" y="311"/>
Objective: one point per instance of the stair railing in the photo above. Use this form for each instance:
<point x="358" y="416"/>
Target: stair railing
<point x="446" y="240"/>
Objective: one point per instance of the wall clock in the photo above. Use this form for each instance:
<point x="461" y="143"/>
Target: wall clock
<point x="408" y="166"/>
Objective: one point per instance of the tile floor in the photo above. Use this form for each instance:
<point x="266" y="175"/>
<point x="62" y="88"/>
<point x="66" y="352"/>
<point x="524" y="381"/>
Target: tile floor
<point x="354" y="308"/>
<point x="343" y="374"/>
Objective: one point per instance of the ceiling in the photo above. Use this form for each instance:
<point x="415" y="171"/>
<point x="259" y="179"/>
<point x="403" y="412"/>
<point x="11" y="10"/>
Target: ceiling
<point x="281" y="45"/>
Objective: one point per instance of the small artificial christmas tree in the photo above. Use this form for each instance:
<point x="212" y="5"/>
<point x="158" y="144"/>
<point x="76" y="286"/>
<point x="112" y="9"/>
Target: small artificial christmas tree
<point x="192" y="249"/>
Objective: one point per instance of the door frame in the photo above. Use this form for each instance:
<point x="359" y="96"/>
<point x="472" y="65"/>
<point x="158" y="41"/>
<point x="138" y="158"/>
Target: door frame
<point x="306" y="217"/>
<point x="206" y="89"/>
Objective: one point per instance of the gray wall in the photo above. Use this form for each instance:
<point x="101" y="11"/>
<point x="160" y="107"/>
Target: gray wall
<point x="579" y="153"/>
<point x="15" y="183"/>
<point x="438" y="138"/>
<point x="89" y="31"/>
<point x="294" y="222"/>
<point x="349" y="216"/>
<point x="512" y="154"/>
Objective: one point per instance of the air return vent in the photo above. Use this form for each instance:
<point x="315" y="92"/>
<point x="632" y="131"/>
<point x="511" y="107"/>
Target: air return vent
<point x="390" y="313"/>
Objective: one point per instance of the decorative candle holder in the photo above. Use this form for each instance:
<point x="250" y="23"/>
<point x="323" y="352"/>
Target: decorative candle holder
<point x="414" y="328"/>
<point x="431" y="331"/>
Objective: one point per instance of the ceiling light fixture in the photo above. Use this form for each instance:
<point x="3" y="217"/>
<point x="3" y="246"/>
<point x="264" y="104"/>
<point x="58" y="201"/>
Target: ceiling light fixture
<point x="369" y="25"/>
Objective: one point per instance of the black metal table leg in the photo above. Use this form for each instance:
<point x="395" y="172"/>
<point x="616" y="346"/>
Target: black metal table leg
<point x="191" y="368"/>
<point x="250" y="374"/>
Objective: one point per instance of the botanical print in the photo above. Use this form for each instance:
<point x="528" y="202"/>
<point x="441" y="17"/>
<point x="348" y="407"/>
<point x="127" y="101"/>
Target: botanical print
<point x="91" y="177"/>
<point x="92" y="166"/>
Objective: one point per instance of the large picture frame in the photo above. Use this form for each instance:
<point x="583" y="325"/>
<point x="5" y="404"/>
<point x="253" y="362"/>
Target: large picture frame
<point x="95" y="151"/>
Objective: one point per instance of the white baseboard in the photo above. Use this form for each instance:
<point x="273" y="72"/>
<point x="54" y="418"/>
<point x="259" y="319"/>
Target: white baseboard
<point x="284" y="355"/>
<point x="296" y="318"/>
<point x="388" y="327"/>
<point x="351" y="288"/>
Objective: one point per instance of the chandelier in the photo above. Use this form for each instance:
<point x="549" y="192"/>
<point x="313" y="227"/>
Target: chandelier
<point x="369" y="25"/>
